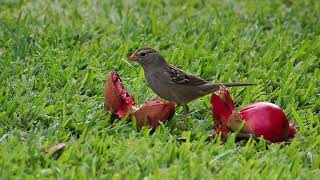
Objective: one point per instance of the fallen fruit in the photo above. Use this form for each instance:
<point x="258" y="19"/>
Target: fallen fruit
<point x="120" y="102"/>
<point x="116" y="98"/>
<point x="292" y="130"/>
<point x="267" y="120"/>
<point x="261" y="119"/>
<point x="222" y="108"/>
<point x="56" y="151"/>
<point x="153" y="112"/>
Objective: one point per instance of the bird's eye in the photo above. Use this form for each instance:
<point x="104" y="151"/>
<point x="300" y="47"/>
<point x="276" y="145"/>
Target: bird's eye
<point x="143" y="54"/>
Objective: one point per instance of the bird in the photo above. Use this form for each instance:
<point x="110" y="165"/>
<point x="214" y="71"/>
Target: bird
<point x="171" y="83"/>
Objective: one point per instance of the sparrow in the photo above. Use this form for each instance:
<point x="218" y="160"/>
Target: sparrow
<point x="171" y="83"/>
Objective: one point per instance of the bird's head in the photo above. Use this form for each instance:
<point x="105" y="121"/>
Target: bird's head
<point x="147" y="57"/>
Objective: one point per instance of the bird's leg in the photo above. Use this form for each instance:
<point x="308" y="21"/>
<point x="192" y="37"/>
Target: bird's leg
<point x="185" y="112"/>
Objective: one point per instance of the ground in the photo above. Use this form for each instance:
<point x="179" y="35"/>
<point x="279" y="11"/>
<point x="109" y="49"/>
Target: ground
<point x="55" y="55"/>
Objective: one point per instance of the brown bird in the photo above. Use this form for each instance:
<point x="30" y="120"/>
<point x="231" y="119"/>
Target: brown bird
<point x="172" y="83"/>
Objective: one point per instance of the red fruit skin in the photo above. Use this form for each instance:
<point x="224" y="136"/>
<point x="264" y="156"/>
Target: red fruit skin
<point x="56" y="150"/>
<point x="267" y="120"/>
<point x="116" y="98"/>
<point x="56" y="147"/>
<point x="153" y="112"/>
<point x="292" y="130"/>
<point x="120" y="102"/>
<point x="222" y="108"/>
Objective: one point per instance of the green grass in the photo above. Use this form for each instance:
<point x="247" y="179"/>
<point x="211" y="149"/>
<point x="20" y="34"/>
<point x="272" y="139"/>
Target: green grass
<point x="55" y="55"/>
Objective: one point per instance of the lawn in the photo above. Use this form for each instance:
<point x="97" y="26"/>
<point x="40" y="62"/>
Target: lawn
<point x="55" y="56"/>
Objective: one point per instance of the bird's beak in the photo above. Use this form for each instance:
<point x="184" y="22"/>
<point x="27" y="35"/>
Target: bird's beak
<point x="133" y="57"/>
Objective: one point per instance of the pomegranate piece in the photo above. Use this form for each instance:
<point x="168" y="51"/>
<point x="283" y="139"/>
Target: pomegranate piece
<point x="222" y="108"/>
<point x="116" y="98"/>
<point x="292" y="130"/>
<point x="260" y="119"/>
<point x="153" y="112"/>
<point x="56" y="151"/>
<point x="120" y="102"/>
<point x="267" y="120"/>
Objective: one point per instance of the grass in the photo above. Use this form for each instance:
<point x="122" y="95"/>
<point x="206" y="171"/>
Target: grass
<point x="55" y="55"/>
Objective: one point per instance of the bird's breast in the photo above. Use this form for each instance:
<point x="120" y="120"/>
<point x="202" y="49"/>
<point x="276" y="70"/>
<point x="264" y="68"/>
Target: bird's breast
<point x="154" y="80"/>
<point x="159" y="84"/>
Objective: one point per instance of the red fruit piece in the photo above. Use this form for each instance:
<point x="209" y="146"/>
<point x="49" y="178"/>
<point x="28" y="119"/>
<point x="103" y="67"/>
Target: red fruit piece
<point x="56" y="151"/>
<point x="292" y="130"/>
<point x="267" y="120"/>
<point x="116" y="98"/>
<point x="153" y="112"/>
<point x="259" y="119"/>
<point x="120" y="102"/>
<point x="222" y="108"/>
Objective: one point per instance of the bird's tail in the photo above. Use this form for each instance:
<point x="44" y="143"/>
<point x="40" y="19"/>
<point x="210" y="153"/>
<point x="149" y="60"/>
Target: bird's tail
<point x="234" y="84"/>
<point x="215" y="87"/>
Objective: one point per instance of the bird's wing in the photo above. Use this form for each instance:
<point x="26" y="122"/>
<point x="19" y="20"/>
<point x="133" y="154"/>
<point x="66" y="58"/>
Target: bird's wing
<point x="177" y="76"/>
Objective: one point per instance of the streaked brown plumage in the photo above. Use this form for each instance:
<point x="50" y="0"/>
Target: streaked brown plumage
<point x="172" y="83"/>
